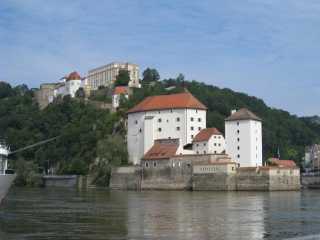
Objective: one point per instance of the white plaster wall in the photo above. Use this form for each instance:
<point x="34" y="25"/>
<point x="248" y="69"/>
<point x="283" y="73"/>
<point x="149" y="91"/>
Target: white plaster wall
<point x="164" y="125"/>
<point x="249" y="153"/>
<point x="215" y="145"/>
<point x="72" y="87"/>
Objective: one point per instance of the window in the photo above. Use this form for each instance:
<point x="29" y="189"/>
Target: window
<point x="136" y="121"/>
<point x="204" y="152"/>
<point x="191" y="119"/>
<point x="178" y="119"/>
<point x="219" y="144"/>
<point x="147" y="164"/>
<point x="191" y="136"/>
<point x="232" y="168"/>
<point x="238" y="123"/>
<point x="196" y="110"/>
<point x="140" y="130"/>
<point x="170" y="110"/>
<point x="204" y="144"/>
<point x="197" y="145"/>
<point x="238" y="147"/>
<point x="238" y="156"/>
<point x="215" y="152"/>
<point x="199" y="119"/>
<point x="159" y="129"/>
<point x="154" y="164"/>
<point x="159" y="120"/>
<point x="191" y="128"/>
<point x="197" y="152"/>
<point x="199" y="128"/>
<point x="238" y="131"/>
<point x="178" y="128"/>
<point x="238" y="139"/>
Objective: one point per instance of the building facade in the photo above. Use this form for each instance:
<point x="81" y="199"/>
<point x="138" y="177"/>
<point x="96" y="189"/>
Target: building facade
<point x="243" y="134"/>
<point x="209" y="141"/>
<point x="312" y="157"/>
<point x="106" y="75"/>
<point x="45" y="94"/>
<point x="116" y="95"/>
<point x="177" y="116"/>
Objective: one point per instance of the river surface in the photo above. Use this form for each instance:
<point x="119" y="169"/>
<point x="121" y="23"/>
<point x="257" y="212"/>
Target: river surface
<point x="39" y="213"/>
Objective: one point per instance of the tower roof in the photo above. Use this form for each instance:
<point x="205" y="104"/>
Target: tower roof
<point x="243" y="114"/>
<point x="205" y="134"/>
<point x="73" y="76"/>
<point x="120" y="90"/>
<point x="173" y="101"/>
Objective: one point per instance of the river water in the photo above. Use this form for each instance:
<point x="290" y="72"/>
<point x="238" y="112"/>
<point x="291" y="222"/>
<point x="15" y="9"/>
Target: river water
<point x="39" y="213"/>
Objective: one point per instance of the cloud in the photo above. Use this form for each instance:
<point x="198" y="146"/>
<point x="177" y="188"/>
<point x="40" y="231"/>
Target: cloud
<point x="247" y="45"/>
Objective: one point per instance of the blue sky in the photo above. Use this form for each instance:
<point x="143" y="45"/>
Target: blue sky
<point x="266" y="48"/>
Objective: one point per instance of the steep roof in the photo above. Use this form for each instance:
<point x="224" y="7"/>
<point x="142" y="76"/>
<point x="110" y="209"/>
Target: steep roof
<point x="173" y="101"/>
<point x="243" y="114"/>
<point x="282" y="163"/>
<point x="120" y="90"/>
<point x="205" y="134"/>
<point x="161" y="151"/>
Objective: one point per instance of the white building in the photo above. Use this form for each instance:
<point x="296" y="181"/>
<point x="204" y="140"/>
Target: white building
<point x="106" y="75"/>
<point x="243" y="132"/>
<point x="69" y="86"/>
<point x="177" y="116"/>
<point x="209" y="141"/>
<point x="117" y="93"/>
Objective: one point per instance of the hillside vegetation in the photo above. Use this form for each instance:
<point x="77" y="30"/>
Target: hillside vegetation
<point x="93" y="140"/>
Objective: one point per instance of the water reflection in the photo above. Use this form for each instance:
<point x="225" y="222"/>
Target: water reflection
<point x="100" y="214"/>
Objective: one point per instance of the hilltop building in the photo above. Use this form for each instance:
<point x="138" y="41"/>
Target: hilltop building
<point x="45" y="94"/>
<point x="243" y="132"/>
<point x="69" y="86"/>
<point x="177" y="116"/>
<point x="106" y="75"/>
<point x="117" y="93"/>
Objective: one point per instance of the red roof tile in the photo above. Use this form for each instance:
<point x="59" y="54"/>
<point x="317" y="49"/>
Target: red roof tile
<point x="161" y="151"/>
<point x="120" y="90"/>
<point x="282" y="163"/>
<point x="205" y="134"/>
<point x="173" y="101"/>
<point x="73" y="76"/>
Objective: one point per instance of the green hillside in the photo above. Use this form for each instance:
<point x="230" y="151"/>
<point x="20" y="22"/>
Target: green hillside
<point x="91" y="138"/>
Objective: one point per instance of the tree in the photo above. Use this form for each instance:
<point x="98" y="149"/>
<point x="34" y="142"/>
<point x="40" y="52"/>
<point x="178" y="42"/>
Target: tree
<point x="80" y="93"/>
<point x="123" y="78"/>
<point x="5" y="90"/>
<point x="150" y="75"/>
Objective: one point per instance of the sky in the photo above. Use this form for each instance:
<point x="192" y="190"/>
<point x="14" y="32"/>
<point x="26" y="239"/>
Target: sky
<point x="266" y="48"/>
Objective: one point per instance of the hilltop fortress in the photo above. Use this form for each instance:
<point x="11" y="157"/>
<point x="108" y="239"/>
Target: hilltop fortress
<point x="171" y="148"/>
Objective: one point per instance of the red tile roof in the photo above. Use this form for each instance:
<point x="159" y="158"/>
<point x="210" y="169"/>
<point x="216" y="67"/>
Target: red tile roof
<point x="161" y="151"/>
<point x="73" y="76"/>
<point x="173" y="101"/>
<point x="120" y="90"/>
<point x="205" y="134"/>
<point x="282" y="163"/>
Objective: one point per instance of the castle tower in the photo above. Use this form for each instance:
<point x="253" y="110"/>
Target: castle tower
<point x="243" y="132"/>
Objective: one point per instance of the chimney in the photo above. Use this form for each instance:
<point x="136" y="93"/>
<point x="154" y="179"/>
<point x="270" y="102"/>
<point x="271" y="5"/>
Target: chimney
<point x="233" y="111"/>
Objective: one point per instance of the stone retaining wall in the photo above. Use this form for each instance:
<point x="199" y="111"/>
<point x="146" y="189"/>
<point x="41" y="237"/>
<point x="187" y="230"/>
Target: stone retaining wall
<point x="126" y="178"/>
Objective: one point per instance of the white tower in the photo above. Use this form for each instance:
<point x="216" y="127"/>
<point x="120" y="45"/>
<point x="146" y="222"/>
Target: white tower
<point x="243" y="131"/>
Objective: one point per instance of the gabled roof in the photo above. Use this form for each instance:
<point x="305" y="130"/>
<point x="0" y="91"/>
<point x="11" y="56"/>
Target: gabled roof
<point x="282" y="163"/>
<point x="243" y="114"/>
<point x="173" y="101"/>
<point x="205" y="134"/>
<point x="120" y="90"/>
<point x="161" y="151"/>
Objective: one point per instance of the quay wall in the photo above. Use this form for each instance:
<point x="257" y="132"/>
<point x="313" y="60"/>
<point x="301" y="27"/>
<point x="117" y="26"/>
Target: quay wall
<point x="126" y="178"/>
